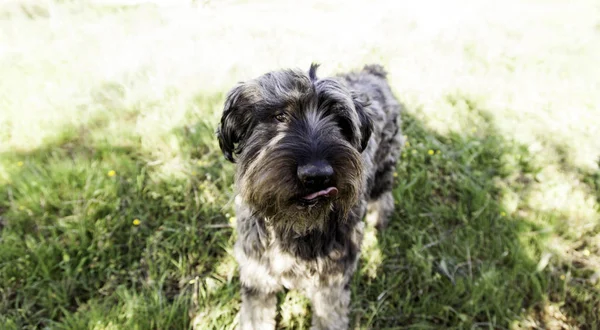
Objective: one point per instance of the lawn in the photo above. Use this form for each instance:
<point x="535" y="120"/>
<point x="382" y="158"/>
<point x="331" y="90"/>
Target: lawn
<point x="116" y="203"/>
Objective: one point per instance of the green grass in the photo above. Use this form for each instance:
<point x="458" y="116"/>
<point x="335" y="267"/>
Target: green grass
<point x="498" y="188"/>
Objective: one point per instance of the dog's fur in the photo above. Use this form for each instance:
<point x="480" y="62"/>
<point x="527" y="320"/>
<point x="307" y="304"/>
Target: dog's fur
<point x="271" y="125"/>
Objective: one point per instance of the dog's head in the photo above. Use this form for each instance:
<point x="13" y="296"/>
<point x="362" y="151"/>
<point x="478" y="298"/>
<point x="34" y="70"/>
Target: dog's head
<point x="297" y="140"/>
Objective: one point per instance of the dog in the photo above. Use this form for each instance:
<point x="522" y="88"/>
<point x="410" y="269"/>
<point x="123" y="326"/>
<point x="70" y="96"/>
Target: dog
<point x="313" y="156"/>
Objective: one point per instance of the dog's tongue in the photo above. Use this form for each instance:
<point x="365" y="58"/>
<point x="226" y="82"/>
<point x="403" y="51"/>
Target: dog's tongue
<point x="329" y="192"/>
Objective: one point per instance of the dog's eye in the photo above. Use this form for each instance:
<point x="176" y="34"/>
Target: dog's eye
<point x="281" y="117"/>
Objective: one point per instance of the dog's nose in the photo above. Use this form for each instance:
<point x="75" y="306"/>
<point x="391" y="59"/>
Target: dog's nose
<point x="316" y="173"/>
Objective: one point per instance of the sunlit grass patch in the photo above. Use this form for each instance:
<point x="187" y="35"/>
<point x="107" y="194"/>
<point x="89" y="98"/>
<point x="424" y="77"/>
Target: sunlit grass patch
<point x="295" y="311"/>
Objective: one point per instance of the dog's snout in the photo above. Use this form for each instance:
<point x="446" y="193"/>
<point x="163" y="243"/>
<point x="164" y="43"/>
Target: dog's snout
<point x="317" y="173"/>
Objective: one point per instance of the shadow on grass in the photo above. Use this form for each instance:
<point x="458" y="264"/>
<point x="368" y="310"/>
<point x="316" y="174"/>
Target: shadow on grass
<point x="95" y="232"/>
<point x="459" y="253"/>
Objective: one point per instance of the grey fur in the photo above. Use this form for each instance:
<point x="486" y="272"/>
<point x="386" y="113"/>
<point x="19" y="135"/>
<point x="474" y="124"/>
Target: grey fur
<point x="269" y="126"/>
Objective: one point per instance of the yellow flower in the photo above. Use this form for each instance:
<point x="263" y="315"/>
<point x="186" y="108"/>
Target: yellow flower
<point x="430" y="152"/>
<point x="21" y="207"/>
<point x="136" y="222"/>
<point x="502" y="214"/>
<point x="19" y="164"/>
<point x="112" y="173"/>
<point x="562" y="277"/>
<point x="438" y="152"/>
<point x="586" y="252"/>
<point x="395" y="174"/>
<point x="407" y="144"/>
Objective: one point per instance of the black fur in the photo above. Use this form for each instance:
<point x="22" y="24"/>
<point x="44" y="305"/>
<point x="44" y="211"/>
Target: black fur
<point x="282" y="120"/>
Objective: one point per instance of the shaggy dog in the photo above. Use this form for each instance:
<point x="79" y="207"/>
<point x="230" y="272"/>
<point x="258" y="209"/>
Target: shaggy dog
<point x="312" y="156"/>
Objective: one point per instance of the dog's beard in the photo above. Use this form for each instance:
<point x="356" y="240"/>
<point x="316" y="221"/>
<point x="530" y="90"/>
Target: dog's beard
<point x="299" y="221"/>
<point x="273" y="192"/>
<point x="288" y="215"/>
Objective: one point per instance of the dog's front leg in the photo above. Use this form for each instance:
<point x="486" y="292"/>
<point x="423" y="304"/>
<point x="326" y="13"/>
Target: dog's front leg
<point x="330" y="308"/>
<point x="258" y="310"/>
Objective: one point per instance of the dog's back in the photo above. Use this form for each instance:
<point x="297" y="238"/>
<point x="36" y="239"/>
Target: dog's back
<point x="384" y="149"/>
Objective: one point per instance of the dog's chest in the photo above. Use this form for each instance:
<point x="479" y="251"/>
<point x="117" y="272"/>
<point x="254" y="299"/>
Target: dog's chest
<point x="274" y="267"/>
<point x="268" y="259"/>
<point x="297" y="273"/>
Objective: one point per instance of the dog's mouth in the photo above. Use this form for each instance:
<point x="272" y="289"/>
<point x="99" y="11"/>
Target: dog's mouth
<point x="315" y="197"/>
<point x="329" y="192"/>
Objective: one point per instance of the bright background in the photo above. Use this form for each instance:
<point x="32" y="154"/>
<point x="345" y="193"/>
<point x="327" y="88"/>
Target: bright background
<point x="115" y="203"/>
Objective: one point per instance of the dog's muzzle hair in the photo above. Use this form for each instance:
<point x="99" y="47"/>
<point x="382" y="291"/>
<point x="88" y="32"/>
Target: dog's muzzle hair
<point x="311" y="155"/>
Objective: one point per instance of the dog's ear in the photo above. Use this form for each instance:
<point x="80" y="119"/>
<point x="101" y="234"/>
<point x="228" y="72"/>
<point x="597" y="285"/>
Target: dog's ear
<point x="365" y="123"/>
<point x="236" y="120"/>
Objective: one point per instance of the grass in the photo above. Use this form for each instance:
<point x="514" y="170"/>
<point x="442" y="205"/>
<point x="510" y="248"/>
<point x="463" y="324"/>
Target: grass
<point x="115" y="203"/>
